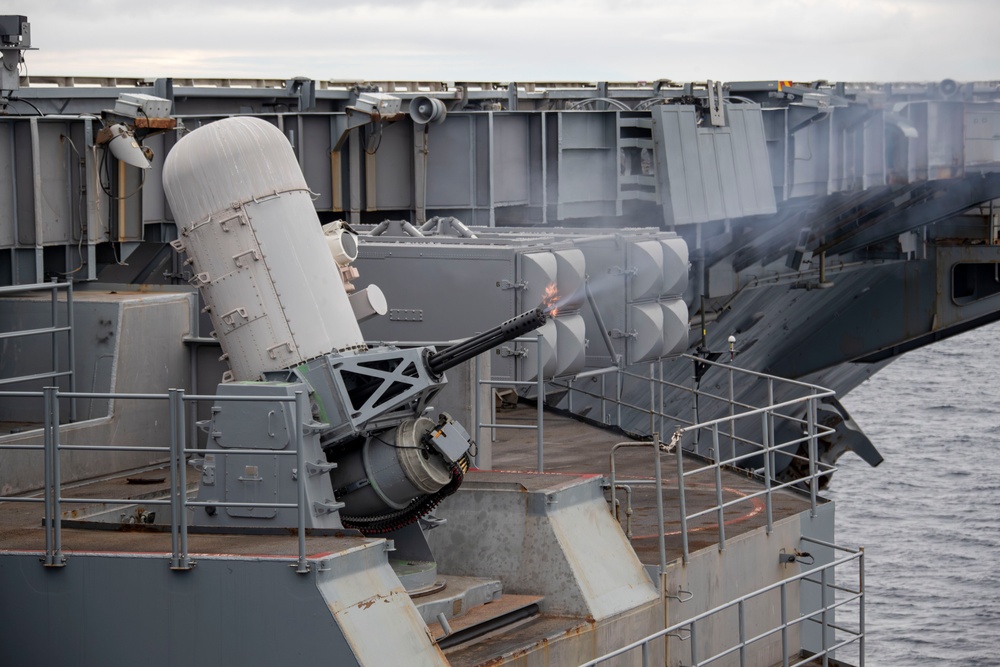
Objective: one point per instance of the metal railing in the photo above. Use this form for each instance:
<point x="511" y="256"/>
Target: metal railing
<point x="538" y="383"/>
<point x="177" y="453"/>
<point x="820" y="615"/>
<point x="745" y="436"/>
<point x="53" y="330"/>
<point x="743" y="450"/>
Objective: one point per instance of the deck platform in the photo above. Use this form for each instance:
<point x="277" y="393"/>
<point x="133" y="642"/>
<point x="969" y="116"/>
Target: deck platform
<point x="572" y="446"/>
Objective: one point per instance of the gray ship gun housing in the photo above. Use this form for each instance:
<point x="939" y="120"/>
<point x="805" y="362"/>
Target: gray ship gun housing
<point x="277" y="289"/>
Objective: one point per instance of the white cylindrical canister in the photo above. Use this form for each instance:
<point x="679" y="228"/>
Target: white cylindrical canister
<point x="247" y="223"/>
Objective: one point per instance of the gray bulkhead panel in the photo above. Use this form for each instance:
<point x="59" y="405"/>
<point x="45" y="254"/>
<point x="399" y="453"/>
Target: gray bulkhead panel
<point x="712" y="173"/>
<point x="437" y="287"/>
<point x="227" y="611"/>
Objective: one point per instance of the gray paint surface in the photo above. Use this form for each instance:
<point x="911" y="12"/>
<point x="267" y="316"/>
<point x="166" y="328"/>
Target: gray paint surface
<point x="128" y="343"/>
<point x="226" y="611"/>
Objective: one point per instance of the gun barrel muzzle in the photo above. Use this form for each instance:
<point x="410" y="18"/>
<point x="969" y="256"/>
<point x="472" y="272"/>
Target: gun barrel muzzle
<point x="453" y="355"/>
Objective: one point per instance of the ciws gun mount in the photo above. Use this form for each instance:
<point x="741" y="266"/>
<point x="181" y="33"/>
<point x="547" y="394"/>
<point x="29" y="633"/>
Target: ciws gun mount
<point x="278" y="291"/>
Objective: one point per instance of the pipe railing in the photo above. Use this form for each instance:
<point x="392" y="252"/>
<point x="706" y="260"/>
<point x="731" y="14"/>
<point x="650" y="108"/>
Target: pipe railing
<point x="826" y="652"/>
<point x="538" y="383"/>
<point x="763" y="451"/>
<point x="177" y="452"/>
<point x="53" y="330"/>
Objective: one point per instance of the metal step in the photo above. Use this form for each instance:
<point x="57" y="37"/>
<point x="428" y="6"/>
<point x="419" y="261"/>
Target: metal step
<point x="480" y="621"/>
<point x="456" y="596"/>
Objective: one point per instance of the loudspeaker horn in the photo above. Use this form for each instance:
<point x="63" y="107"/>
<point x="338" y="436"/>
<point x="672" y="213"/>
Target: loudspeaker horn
<point x="425" y="110"/>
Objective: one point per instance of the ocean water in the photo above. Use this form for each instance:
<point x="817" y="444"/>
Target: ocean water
<point x="929" y="516"/>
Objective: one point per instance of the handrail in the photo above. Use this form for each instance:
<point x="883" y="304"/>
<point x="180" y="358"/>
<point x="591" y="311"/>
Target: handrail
<point x="54" y="330"/>
<point x="538" y="383"/>
<point x="691" y="623"/>
<point x="177" y="452"/>
<point x="766" y="449"/>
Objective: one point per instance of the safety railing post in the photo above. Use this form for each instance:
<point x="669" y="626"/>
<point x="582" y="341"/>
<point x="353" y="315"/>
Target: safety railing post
<point x="175" y="509"/>
<point x="180" y="560"/>
<point x="661" y="538"/>
<point x="681" y="500"/>
<point x="813" y="481"/>
<point x="604" y="393"/>
<point x="825" y="625"/>
<point x="477" y="408"/>
<point x="770" y="423"/>
<point x="182" y="478"/>
<point x="743" y="633"/>
<point x="54" y="292"/>
<point x="662" y="428"/>
<point x="693" y="638"/>
<point x="652" y="397"/>
<point x="718" y="486"/>
<point x="618" y="394"/>
<point x="861" y="607"/>
<point x="767" y="470"/>
<point x="540" y="390"/>
<point x="302" y="565"/>
<point x="58" y="558"/>
<point x="784" y="625"/>
<point x="71" y="351"/>
<point x="569" y="395"/>
<point x="732" y="416"/>
<point x="49" y="559"/>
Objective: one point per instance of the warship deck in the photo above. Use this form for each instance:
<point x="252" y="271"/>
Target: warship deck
<point x="572" y="446"/>
<point x="21" y="526"/>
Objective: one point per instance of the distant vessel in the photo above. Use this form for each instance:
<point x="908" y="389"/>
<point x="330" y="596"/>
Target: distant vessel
<point x="792" y="238"/>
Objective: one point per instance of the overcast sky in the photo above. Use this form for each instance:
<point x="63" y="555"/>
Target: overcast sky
<point x="492" y="40"/>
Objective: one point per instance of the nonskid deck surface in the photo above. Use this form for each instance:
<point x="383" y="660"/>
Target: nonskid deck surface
<point x="21" y="525"/>
<point x="571" y="446"/>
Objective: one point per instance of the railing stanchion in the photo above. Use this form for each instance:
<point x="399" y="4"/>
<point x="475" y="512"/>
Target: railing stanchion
<point x="620" y="380"/>
<point x="718" y="486"/>
<point x="71" y="345"/>
<point x="694" y="644"/>
<point x="54" y="292"/>
<point x="784" y="625"/>
<point x="743" y="633"/>
<point x="767" y="471"/>
<point x="58" y="559"/>
<point x="477" y="408"/>
<point x="825" y="626"/>
<point x="540" y="391"/>
<point x="770" y="424"/>
<point x="604" y="393"/>
<point x="300" y="457"/>
<point x="663" y="426"/>
<point x="813" y="454"/>
<point x="661" y="539"/>
<point x="179" y="559"/>
<point x="652" y="398"/>
<point x="681" y="501"/>
<point x="175" y="489"/>
<point x="861" y="607"/>
<point x="732" y="416"/>
<point x="185" y="561"/>
<point x="47" y="455"/>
